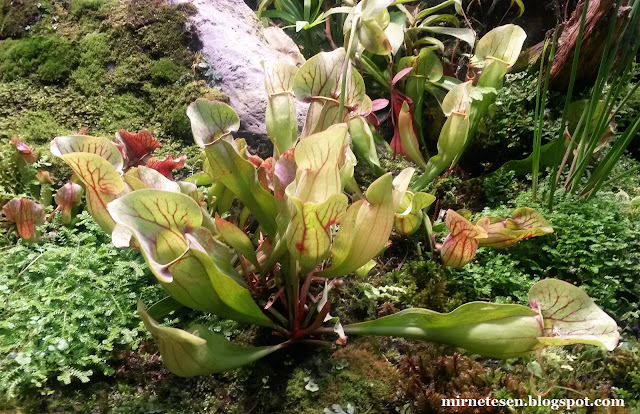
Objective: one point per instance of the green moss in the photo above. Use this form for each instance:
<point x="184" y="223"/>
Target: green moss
<point x="165" y="71"/>
<point x="15" y="17"/>
<point x="131" y="71"/>
<point x="91" y="75"/>
<point x="126" y="111"/>
<point x="39" y="127"/>
<point x="49" y="59"/>
<point x="93" y="9"/>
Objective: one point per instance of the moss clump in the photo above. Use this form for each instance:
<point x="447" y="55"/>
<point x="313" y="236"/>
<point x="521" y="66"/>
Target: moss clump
<point x="89" y="9"/>
<point x="16" y="17"/>
<point x="48" y="59"/>
<point x="165" y="71"/>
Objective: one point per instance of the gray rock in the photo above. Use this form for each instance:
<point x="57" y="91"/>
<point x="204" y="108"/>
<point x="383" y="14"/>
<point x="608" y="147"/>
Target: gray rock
<point x="234" y="42"/>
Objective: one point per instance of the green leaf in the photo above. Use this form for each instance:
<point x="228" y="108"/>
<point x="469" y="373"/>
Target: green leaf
<point x="560" y="314"/>
<point x="318" y="81"/>
<point x="139" y="178"/>
<point x="395" y="34"/>
<point x="409" y="216"/>
<point x="366" y="227"/>
<point x="190" y="265"/>
<point x="211" y="120"/>
<point x="571" y="317"/>
<point x="281" y="117"/>
<point x="317" y="159"/>
<point x="488" y="329"/>
<point x="315" y="199"/>
<point x="372" y="8"/>
<point x="320" y="76"/>
<point x="199" y="351"/>
<point x="520" y="4"/>
<point x="211" y="123"/>
<point x="364" y="144"/>
<point x="464" y="34"/>
<point x="236" y="238"/>
<point x="503" y="43"/>
<point x="98" y="164"/>
<point x="373" y="38"/>
<point x="458" y="99"/>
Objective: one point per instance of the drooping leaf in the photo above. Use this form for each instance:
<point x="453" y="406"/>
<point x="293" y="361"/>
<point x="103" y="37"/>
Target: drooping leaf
<point x="520" y="5"/>
<point x="190" y="265"/>
<point x="68" y="197"/>
<point x="524" y="223"/>
<point x="166" y="166"/>
<point x="25" y="152"/>
<point x="461" y="244"/>
<point x="367" y="224"/>
<point x="27" y="214"/>
<point x="281" y="118"/>
<point x="137" y="147"/>
<point x="464" y="34"/>
<point x="488" y="329"/>
<point x="409" y="215"/>
<point x="198" y="351"/>
<point x="560" y="314"/>
<point x="571" y="317"/>
<point x="98" y="164"/>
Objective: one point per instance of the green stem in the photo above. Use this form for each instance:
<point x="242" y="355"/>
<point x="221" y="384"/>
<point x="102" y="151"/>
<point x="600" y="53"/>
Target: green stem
<point x="347" y="63"/>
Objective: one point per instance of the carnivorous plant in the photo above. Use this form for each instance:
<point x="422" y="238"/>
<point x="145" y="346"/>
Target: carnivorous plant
<point x="271" y="237"/>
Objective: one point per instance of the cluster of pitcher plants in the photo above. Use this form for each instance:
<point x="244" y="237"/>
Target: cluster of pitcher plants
<point x="267" y="241"/>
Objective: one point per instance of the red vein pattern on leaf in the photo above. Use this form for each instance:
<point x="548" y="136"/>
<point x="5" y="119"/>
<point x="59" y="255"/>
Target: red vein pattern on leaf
<point x="137" y="146"/>
<point x="166" y="166"/>
<point x="26" y="214"/>
<point x="91" y="148"/>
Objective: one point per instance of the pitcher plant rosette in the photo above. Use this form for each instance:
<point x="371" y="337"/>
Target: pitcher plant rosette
<point x="267" y="242"/>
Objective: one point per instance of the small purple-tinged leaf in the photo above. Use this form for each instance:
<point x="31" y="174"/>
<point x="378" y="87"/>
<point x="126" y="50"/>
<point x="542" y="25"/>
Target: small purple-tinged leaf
<point x="68" y="197"/>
